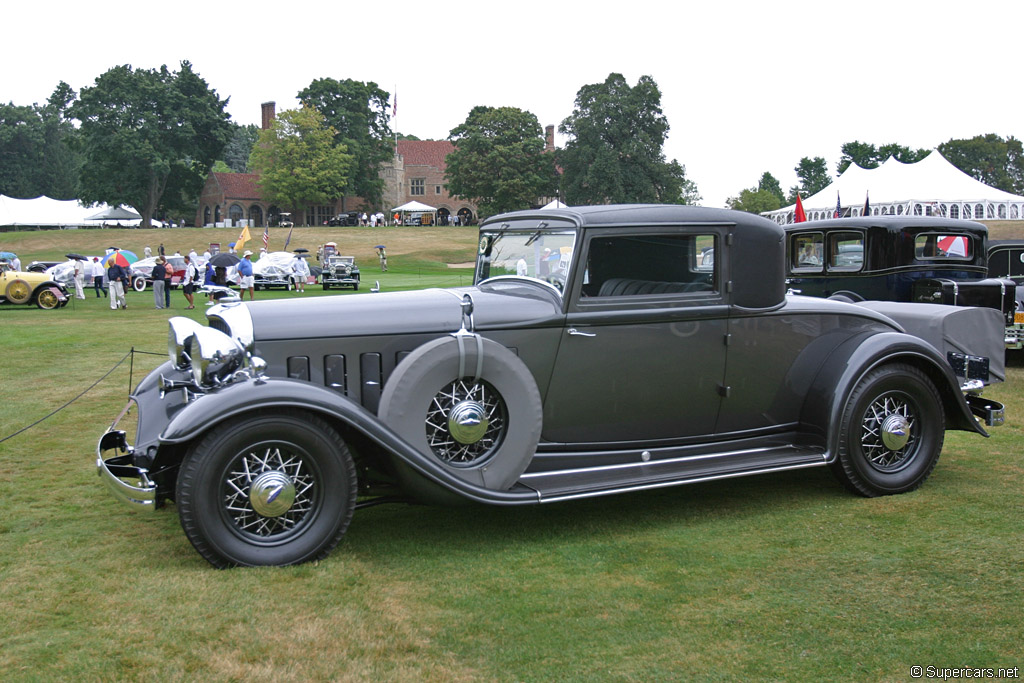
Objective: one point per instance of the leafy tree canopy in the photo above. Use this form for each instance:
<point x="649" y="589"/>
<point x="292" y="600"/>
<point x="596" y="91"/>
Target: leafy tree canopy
<point x="37" y="148"/>
<point x="298" y="162"/>
<point x="867" y="155"/>
<point x="754" y="200"/>
<point x="358" y="114"/>
<point x="499" y="160"/>
<point x="147" y="133"/>
<point x="990" y="159"/>
<point x="813" y="176"/>
<point x="770" y="184"/>
<point x="615" y="149"/>
<point x="239" y="147"/>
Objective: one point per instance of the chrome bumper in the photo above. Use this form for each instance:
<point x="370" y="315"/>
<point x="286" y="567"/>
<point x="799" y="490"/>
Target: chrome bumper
<point x="114" y="470"/>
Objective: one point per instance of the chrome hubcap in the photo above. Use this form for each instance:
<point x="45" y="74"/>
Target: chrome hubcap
<point x="887" y="432"/>
<point x="895" y="432"/>
<point x="468" y="422"/>
<point x="272" y="494"/>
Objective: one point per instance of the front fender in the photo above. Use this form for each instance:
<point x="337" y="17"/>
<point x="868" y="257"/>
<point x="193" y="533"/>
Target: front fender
<point x="831" y="389"/>
<point x="236" y="400"/>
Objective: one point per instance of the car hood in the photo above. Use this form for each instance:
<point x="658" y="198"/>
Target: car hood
<point x="424" y="311"/>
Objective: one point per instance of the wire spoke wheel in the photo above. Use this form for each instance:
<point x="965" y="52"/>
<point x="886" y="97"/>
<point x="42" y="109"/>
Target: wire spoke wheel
<point x="888" y="436"/>
<point x="465" y="423"/>
<point x="47" y="300"/>
<point x="269" y="491"/>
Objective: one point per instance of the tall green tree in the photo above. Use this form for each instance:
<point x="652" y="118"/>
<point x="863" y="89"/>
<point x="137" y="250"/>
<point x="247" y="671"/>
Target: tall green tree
<point x="239" y="147"/>
<point x="813" y="176"/>
<point x="867" y="155"/>
<point x="499" y="161"/>
<point x="358" y="113"/>
<point x="615" y="149"/>
<point x="754" y="200"/>
<point x="770" y="184"/>
<point x="37" y="148"/>
<point x="298" y="162"/>
<point x="147" y="131"/>
<point x="990" y="159"/>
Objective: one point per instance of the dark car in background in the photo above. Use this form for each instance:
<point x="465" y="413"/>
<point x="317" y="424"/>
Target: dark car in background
<point x="347" y="218"/>
<point x="641" y="364"/>
<point x="898" y="258"/>
<point x="1006" y="262"/>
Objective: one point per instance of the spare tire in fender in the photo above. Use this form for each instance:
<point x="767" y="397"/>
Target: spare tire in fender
<point x="483" y="431"/>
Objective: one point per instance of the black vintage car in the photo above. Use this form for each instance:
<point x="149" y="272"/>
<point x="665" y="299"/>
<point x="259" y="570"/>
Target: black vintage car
<point x="342" y="219"/>
<point x="897" y="258"/>
<point x="599" y="351"/>
<point x="1006" y="262"/>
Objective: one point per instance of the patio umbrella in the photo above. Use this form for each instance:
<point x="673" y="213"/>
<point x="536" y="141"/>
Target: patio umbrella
<point x="224" y="259"/>
<point x="119" y="258"/>
<point x="76" y="257"/>
<point x="954" y="244"/>
<point x="8" y="255"/>
<point x="300" y="250"/>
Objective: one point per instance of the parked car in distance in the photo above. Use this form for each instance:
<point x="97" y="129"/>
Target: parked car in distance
<point x="41" y="266"/>
<point x="898" y="258"/>
<point x="348" y="218"/>
<point x="650" y="366"/>
<point x="340" y="271"/>
<point x="1006" y="262"/>
<point x="273" y="269"/>
<point x="20" y="287"/>
<point x="142" y="271"/>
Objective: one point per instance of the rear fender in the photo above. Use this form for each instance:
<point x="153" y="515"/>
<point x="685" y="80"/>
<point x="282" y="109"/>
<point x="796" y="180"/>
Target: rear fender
<point x="851" y="361"/>
<point x="236" y="400"/>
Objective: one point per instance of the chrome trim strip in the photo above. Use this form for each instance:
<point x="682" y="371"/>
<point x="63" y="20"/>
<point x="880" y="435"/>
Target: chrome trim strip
<point x="142" y="497"/>
<point x="679" y="482"/>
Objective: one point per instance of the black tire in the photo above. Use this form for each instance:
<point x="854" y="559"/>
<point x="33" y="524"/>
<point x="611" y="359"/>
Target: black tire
<point x="871" y="460"/>
<point x="271" y="489"/>
<point x="425" y="396"/>
<point x="46" y="299"/>
<point x="847" y="296"/>
<point x="355" y="288"/>
<point x="326" y="286"/>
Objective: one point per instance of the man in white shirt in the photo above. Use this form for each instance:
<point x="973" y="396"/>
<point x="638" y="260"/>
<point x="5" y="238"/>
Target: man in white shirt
<point x="79" y="279"/>
<point x="300" y="271"/>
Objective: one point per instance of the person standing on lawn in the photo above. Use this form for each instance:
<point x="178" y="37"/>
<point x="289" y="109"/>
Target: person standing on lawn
<point x="245" y="272"/>
<point x="159" y="282"/>
<point x="97" y="276"/>
<point x="80" y="267"/>
<point x="188" y="285"/>
<point x="117" y="277"/>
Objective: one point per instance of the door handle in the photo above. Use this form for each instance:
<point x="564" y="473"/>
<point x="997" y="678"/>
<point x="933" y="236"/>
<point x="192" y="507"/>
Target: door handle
<point x="576" y="333"/>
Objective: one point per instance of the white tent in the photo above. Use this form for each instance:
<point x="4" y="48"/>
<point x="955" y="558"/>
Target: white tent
<point x="554" y="204"/>
<point x="930" y="187"/>
<point x="47" y="212"/>
<point x="415" y="207"/>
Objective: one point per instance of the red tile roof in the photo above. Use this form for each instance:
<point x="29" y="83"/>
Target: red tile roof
<point x="425" y="152"/>
<point x="239" y="185"/>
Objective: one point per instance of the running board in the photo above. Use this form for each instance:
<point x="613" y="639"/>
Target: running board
<point x="600" y="481"/>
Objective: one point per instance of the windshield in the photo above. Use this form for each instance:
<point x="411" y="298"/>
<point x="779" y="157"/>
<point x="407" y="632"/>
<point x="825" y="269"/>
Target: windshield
<point x="538" y="254"/>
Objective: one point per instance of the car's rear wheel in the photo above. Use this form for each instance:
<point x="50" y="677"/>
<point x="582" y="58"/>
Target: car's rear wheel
<point x="139" y="284"/>
<point x="483" y="429"/>
<point x="18" y="291"/>
<point x="271" y="489"/>
<point x="47" y="300"/>
<point x="891" y="432"/>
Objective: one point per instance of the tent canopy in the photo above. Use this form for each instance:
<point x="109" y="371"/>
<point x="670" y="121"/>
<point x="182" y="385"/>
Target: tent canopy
<point x="44" y="211"/>
<point x="896" y="187"/>
<point x="414" y="206"/>
<point x="554" y="204"/>
<point x="114" y="213"/>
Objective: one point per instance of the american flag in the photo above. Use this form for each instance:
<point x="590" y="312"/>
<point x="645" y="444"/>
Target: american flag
<point x="266" y="237"/>
<point x="839" y="208"/>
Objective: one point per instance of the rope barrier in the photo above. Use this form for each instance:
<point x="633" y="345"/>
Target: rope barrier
<point x="92" y="386"/>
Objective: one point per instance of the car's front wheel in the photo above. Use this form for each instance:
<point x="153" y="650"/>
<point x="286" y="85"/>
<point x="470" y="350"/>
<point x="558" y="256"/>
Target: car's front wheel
<point x="891" y="432"/>
<point x="270" y="489"/>
<point x="139" y="284"/>
<point x="47" y="300"/>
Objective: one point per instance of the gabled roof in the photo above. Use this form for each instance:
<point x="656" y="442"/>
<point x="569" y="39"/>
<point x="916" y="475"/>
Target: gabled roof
<point x="425" y="152"/>
<point x="238" y="185"/>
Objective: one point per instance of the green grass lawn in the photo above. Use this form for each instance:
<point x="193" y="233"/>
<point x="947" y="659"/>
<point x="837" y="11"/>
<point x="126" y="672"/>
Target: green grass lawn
<point x="781" y="577"/>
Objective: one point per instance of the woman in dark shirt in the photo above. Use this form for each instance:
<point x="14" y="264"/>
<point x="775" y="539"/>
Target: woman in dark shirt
<point x="160" y="294"/>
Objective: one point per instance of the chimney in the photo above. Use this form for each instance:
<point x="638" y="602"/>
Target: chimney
<point x="549" y="138"/>
<point x="269" y="114"/>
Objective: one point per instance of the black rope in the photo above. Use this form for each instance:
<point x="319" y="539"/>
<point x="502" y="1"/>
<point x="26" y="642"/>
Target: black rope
<point x="131" y="354"/>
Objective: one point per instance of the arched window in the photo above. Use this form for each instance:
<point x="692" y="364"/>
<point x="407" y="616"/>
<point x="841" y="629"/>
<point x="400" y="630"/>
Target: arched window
<point x="206" y="215"/>
<point x="899" y="210"/>
<point x="236" y="213"/>
<point x="1002" y="211"/>
<point x="1014" y="211"/>
<point x="216" y="214"/>
<point x="979" y="211"/>
<point x="256" y="215"/>
<point x="954" y="211"/>
<point x="918" y="210"/>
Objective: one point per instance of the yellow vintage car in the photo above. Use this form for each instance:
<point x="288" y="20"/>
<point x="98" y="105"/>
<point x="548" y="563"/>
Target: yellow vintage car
<point x="18" y="287"/>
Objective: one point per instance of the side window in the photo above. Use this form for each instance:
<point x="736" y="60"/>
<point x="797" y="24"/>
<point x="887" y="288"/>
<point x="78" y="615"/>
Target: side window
<point x="650" y="265"/>
<point x="845" y="251"/>
<point x="806" y="252"/>
<point x="929" y="246"/>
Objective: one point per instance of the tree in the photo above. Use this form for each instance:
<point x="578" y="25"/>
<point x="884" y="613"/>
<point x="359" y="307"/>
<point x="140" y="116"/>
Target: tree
<point x="37" y="148"/>
<point x="358" y="113"/>
<point x="146" y="133"/>
<point x="990" y="159"/>
<point x="867" y="155"/>
<point x="499" y="161"/>
<point x="770" y="184"/>
<point x="813" y="175"/>
<point x="615" y="150"/>
<point x="298" y="162"/>
<point x="239" y="147"/>
<point x="754" y="200"/>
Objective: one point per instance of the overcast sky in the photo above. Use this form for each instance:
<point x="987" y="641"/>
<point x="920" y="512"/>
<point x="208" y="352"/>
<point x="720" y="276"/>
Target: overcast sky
<point x="747" y="87"/>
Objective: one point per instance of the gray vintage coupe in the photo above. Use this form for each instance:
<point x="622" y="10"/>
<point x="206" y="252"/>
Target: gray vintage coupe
<point x="599" y="351"/>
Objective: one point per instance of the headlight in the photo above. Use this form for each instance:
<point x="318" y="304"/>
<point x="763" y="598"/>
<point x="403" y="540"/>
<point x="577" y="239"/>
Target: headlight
<point x="215" y="356"/>
<point x="179" y="338"/>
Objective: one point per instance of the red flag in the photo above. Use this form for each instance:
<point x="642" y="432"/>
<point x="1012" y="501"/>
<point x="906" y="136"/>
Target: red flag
<point x="800" y="216"/>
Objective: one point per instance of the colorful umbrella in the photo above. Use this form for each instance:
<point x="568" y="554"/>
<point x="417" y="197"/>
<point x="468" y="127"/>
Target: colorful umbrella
<point x="8" y="255"/>
<point x="953" y="244"/>
<point x="119" y="258"/>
